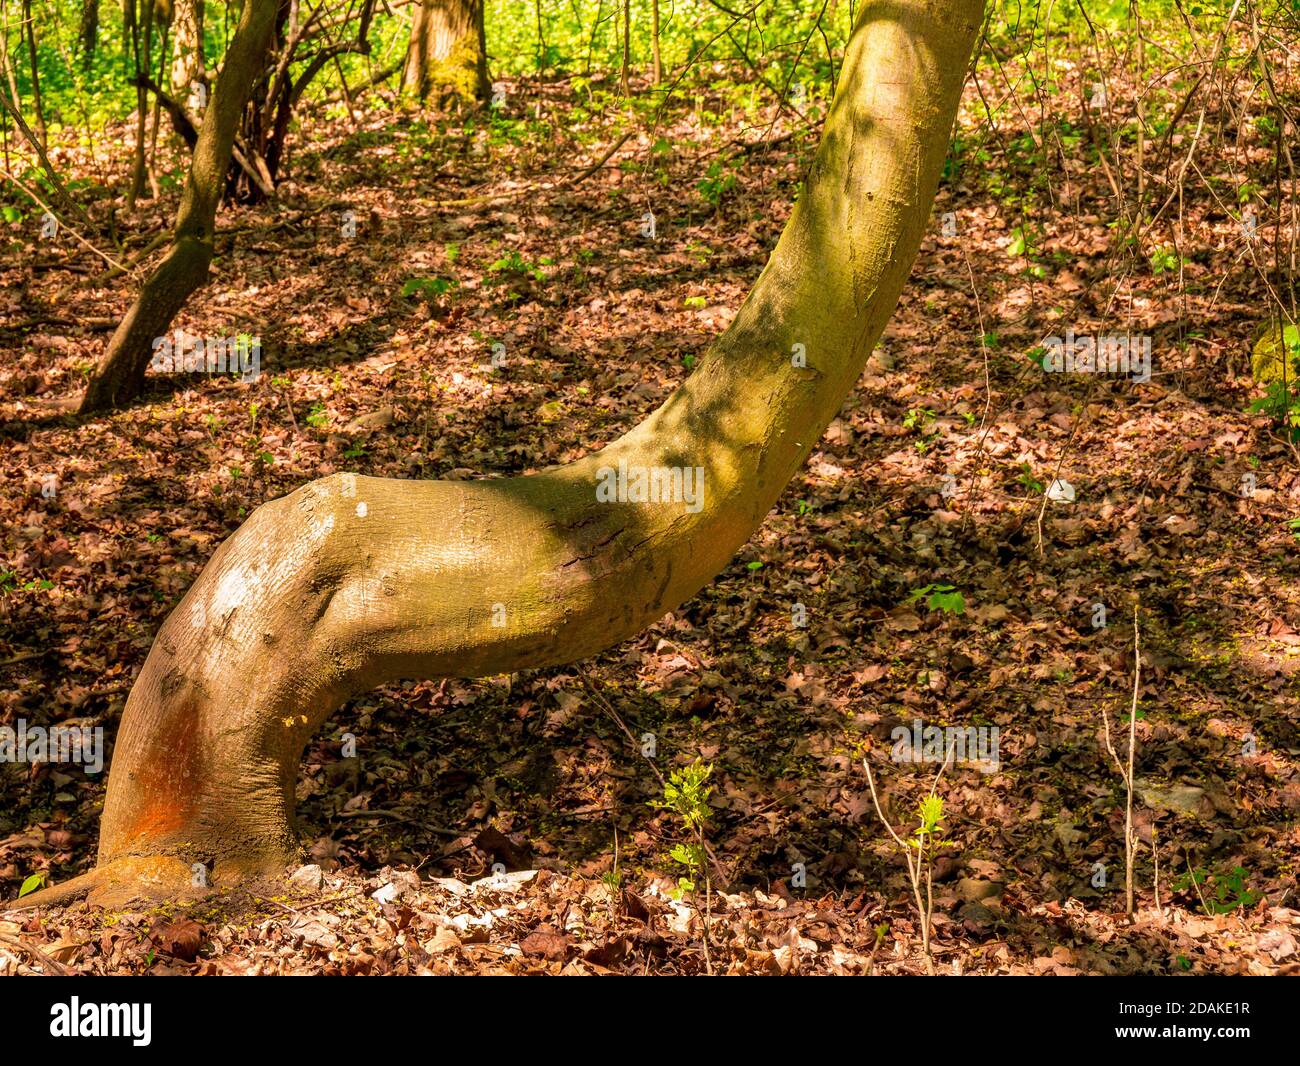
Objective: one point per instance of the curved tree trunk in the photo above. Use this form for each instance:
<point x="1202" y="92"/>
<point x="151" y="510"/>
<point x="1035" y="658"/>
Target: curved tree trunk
<point x="119" y="377"/>
<point x="351" y="581"/>
<point x="448" y="50"/>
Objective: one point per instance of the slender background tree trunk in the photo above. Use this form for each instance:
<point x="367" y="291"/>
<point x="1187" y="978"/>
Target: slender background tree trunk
<point x="141" y="41"/>
<point x="625" y="72"/>
<point x="38" y="110"/>
<point x="541" y="38"/>
<point x="656" y="61"/>
<point x="187" y="45"/>
<point x="88" y="32"/>
<point x="119" y="377"/>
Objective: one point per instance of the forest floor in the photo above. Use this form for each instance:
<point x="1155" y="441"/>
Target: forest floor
<point x="379" y="307"/>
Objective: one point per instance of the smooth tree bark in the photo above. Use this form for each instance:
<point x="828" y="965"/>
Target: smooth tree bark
<point x="447" y="53"/>
<point x="119" y="377"/>
<point x="352" y="581"/>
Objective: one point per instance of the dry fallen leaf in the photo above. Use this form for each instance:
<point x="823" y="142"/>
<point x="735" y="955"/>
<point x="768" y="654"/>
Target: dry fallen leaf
<point x="181" y="938"/>
<point x="546" y="943"/>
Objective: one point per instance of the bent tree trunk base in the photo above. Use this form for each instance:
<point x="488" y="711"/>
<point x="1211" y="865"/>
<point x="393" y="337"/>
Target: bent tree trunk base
<point x="120" y="376"/>
<point x="352" y="582"/>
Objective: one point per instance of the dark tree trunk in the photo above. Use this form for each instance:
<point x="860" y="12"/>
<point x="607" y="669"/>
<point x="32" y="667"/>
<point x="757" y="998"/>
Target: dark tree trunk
<point x="625" y="73"/>
<point x="88" y="32"/>
<point x="142" y="41"/>
<point x="38" y="110"/>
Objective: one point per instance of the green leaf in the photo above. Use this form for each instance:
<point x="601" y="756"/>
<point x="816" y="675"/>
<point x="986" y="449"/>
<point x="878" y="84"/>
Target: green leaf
<point x="32" y="884"/>
<point x="930" y="811"/>
<point x="427" y="288"/>
<point x="947" y="599"/>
